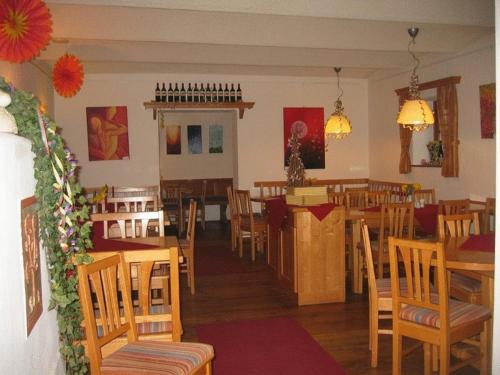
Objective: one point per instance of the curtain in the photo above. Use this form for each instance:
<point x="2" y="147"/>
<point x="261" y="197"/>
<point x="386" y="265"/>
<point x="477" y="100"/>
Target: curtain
<point x="405" y="138"/>
<point x="448" y="126"/>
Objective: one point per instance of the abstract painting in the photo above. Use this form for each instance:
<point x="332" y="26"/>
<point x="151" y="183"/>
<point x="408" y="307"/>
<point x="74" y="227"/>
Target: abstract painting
<point x="107" y="131"/>
<point x="31" y="262"/>
<point x="173" y="140"/>
<point x="194" y="139"/>
<point x="215" y="139"/>
<point x="308" y="123"/>
<point x="487" y="104"/>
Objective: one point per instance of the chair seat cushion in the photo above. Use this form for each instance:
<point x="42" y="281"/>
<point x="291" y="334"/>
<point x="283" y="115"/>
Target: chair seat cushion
<point x="466" y="283"/>
<point x="384" y="287"/>
<point x="460" y="312"/>
<point x="157" y="358"/>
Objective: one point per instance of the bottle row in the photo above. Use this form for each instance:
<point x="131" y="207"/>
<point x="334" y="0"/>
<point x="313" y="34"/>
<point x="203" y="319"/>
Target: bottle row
<point x="195" y="94"/>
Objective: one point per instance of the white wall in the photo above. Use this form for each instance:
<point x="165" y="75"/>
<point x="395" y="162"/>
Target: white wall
<point x="259" y="133"/>
<point x="38" y="353"/>
<point x="204" y="165"/>
<point x="476" y="156"/>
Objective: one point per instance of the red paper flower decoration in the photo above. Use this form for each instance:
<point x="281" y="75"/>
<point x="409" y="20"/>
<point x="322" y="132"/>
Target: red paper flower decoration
<point x="67" y="75"/>
<point x="25" y="28"/>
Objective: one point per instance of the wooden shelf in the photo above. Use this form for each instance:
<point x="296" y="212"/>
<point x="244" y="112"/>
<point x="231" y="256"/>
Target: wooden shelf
<point x="240" y="106"/>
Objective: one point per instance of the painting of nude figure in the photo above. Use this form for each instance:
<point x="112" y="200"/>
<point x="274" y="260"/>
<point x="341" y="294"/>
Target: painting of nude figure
<point x="107" y="131"/>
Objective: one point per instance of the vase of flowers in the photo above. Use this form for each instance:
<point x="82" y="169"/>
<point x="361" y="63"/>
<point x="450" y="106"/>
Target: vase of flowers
<point x="435" y="152"/>
<point x="409" y="189"/>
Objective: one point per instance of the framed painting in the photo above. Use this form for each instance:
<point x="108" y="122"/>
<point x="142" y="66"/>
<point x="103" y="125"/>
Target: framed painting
<point x="107" y="133"/>
<point x="309" y="125"/>
<point x="487" y="105"/>
<point x="194" y="139"/>
<point x="31" y="262"/>
<point x="173" y="139"/>
<point x="215" y="139"/>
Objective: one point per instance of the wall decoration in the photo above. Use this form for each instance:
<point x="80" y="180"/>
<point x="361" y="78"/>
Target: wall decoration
<point x="31" y="262"/>
<point x="107" y="131"/>
<point x="173" y="139"/>
<point x="25" y="29"/>
<point x="215" y="139"/>
<point x="309" y="125"/>
<point x="67" y="75"/>
<point x="194" y="139"/>
<point x="487" y="104"/>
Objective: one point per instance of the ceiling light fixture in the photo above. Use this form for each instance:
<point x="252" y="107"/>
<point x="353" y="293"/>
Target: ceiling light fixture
<point x="338" y="125"/>
<point x="415" y="114"/>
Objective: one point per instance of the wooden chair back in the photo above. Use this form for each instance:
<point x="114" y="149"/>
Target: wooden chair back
<point x="355" y="198"/>
<point x="337" y="198"/>
<point x="134" y="203"/>
<point x="103" y="277"/>
<point x="136" y="191"/>
<point x="231" y="202"/>
<point x="428" y="195"/>
<point x="489" y="215"/>
<point x="458" y="225"/>
<point x="191" y="224"/>
<point x="243" y="205"/>
<point x="376" y="198"/>
<point x="131" y="224"/>
<point x="271" y="188"/>
<point x="370" y="268"/>
<point x="454" y="206"/>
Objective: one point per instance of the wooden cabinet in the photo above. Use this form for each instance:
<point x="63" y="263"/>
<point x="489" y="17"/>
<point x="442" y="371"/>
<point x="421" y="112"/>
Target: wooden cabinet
<point x="274" y="248"/>
<point x="312" y="256"/>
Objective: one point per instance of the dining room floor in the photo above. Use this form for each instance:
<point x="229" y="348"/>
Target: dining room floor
<point x="340" y="328"/>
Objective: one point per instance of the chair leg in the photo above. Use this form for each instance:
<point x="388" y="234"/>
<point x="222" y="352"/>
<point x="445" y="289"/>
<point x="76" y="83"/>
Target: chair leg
<point x="191" y="274"/>
<point x="444" y="358"/>
<point x="252" y="237"/>
<point x="397" y="348"/>
<point x="165" y="295"/>
<point x="240" y="244"/>
<point x="427" y="358"/>
<point x="374" y="336"/>
<point x="435" y="358"/>
<point x="483" y="349"/>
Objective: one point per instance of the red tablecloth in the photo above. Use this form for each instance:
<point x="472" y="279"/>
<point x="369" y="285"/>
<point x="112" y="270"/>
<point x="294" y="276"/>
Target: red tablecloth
<point x="277" y="210"/>
<point x="426" y="217"/>
<point x="101" y="244"/>
<point x="481" y="242"/>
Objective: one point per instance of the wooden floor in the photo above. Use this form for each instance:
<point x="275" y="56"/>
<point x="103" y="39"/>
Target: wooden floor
<point x="341" y="328"/>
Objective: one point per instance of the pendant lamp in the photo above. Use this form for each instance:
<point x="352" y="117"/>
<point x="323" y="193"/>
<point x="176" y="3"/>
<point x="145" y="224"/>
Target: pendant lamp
<point x="338" y="125"/>
<point x="415" y="114"/>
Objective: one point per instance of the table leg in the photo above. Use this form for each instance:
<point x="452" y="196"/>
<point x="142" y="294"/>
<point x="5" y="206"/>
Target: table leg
<point x="487" y="296"/>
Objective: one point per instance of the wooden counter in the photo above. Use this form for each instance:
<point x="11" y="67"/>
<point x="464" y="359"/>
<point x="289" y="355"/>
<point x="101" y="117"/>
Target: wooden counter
<point x="309" y="255"/>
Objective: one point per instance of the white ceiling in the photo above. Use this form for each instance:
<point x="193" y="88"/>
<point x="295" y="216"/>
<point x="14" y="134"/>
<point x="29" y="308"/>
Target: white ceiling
<point x="278" y="37"/>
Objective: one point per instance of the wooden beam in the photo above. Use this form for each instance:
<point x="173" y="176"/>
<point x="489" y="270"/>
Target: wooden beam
<point x="452" y="80"/>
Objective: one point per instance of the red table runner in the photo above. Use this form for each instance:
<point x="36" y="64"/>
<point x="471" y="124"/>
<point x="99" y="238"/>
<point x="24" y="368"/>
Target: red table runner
<point x="101" y="244"/>
<point x="481" y="242"/>
<point x="277" y="210"/>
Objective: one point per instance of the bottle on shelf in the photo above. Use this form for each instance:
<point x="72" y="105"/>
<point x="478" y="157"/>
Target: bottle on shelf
<point x="232" y="94"/>
<point x="196" y="94"/>
<point x="239" y="96"/>
<point x="202" y="94"/>
<point x="220" y="94"/>
<point x="176" y="93"/>
<point x="163" y="93"/>
<point x="208" y="94"/>
<point x="189" y="93"/>
<point x="214" y="94"/>
<point x="170" y="93"/>
<point x="226" y="94"/>
<point x="157" y="92"/>
<point x="183" y="93"/>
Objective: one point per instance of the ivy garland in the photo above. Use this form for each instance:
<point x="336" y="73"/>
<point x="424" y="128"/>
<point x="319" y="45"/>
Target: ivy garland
<point x="63" y="216"/>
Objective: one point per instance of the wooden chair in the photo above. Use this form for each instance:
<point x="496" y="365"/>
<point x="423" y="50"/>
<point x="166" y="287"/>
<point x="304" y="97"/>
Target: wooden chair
<point x="454" y="206"/>
<point x="134" y="203"/>
<point x="172" y="205"/>
<point x="428" y="195"/>
<point x="355" y="198"/>
<point x="233" y="212"/>
<point x="140" y="191"/>
<point x="338" y="199"/>
<point x="376" y="198"/>
<point x="270" y="189"/>
<point x="396" y="219"/>
<point x="380" y="299"/>
<point x="152" y="357"/>
<point x="200" y="198"/>
<point x="255" y="225"/>
<point x="130" y="224"/>
<point x="489" y="215"/>
<point x="426" y="316"/>
<point x="464" y="285"/>
<point x="187" y="246"/>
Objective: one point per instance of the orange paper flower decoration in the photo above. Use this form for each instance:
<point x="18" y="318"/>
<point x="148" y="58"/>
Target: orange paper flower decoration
<point x="25" y="28"/>
<point x="67" y="75"/>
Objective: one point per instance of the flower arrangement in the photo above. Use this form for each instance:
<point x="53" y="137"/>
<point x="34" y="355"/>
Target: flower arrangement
<point x="408" y="189"/>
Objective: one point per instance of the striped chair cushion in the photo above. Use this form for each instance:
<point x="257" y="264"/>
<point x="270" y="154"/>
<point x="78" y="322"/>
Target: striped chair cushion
<point x="384" y="287"/>
<point x="460" y="312"/>
<point x="466" y="283"/>
<point x="157" y="358"/>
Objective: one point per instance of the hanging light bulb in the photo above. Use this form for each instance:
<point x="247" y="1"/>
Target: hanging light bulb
<point x="415" y="114"/>
<point x="338" y="125"/>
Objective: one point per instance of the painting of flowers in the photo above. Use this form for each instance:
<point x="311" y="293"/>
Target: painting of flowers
<point x="215" y="139"/>
<point x="487" y="104"/>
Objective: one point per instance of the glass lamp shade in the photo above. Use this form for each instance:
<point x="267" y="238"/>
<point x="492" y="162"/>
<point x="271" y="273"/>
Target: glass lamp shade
<point x="415" y="115"/>
<point x="338" y="126"/>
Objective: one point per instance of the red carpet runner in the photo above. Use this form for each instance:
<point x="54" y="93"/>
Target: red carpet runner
<point x="266" y="347"/>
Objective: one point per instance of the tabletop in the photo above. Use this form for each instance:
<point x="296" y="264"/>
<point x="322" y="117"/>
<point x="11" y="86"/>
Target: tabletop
<point x="473" y="260"/>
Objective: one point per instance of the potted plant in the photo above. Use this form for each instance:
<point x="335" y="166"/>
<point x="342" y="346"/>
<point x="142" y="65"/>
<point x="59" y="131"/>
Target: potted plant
<point x="435" y="152"/>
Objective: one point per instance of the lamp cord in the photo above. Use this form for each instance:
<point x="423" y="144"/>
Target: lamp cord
<point x="415" y="58"/>
<point x="337" y="70"/>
